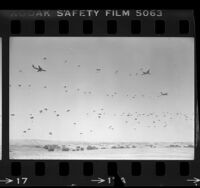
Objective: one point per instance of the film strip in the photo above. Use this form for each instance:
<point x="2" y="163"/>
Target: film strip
<point x="76" y="112"/>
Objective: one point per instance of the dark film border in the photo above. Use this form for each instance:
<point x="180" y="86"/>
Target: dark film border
<point x="67" y="172"/>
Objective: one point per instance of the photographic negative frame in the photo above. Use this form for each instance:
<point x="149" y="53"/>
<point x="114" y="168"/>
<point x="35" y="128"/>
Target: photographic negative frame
<point x="84" y="24"/>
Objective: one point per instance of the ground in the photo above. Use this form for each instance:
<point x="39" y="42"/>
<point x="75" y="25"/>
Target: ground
<point x="100" y="151"/>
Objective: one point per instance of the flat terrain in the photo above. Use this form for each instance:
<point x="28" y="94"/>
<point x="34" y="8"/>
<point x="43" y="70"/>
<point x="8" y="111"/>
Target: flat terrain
<point x="120" y="151"/>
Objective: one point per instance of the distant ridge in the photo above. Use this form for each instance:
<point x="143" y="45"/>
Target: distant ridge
<point x="43" y="142"/>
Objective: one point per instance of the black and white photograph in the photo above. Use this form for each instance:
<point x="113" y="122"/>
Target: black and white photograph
<point x="0" y="98"/>
<point x="101" y="98"/>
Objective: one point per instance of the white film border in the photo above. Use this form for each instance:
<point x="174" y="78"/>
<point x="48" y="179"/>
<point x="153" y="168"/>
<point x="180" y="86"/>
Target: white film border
<point x="0" y="98"/>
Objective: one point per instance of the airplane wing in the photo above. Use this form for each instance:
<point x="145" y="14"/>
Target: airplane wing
<point x="40" y="68"/>
<point x="146" y="72"/>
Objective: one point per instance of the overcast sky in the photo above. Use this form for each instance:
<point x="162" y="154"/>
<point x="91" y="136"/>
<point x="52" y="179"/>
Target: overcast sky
<point x="101" y="76"/>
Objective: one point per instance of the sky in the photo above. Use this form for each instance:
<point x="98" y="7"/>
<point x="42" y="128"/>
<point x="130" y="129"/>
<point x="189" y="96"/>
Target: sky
<point x="95" y="89"/>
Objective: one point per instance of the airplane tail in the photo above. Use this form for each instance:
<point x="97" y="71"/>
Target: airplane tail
<point x="34" y="67"/>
